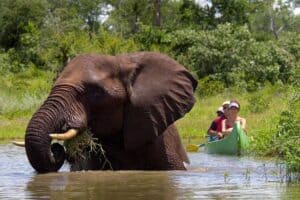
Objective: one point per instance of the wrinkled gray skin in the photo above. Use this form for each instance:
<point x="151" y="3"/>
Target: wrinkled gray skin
<point x="129" y="102"/>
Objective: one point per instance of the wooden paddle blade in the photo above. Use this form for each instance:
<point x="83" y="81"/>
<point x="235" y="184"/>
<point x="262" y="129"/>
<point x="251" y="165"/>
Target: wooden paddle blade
<point x="192" y="148"/>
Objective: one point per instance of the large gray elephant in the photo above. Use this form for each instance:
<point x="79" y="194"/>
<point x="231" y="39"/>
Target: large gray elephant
<point x="128" y="102"/>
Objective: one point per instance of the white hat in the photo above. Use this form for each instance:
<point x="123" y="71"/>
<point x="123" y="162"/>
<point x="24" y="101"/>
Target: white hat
<point x="220" y="109"/>
<point x="225" y="103"/>
<point x="234" y="104"/>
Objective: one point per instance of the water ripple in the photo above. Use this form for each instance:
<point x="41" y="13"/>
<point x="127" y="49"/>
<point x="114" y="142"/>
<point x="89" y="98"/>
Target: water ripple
<point x="208" y="177"/>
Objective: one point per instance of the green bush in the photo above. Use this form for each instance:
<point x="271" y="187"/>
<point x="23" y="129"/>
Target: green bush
<point x="208" y="86"/>
<point x="4" y="63"/>
<point x="290" y="42"/>
<point x="287" y="138"/>
<point x="107" y="43"/>
<point x="152" y="39"/>
<point x="263" y="144"/>
<point x="258" y="103"/>
<point x="233" y="57"/>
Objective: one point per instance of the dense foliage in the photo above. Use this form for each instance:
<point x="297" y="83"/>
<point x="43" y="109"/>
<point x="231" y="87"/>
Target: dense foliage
<point x="238" y="44"/>
<point x="287" y="138"/>
<point x="219" y="41"/>
<point x="232" y="56"/>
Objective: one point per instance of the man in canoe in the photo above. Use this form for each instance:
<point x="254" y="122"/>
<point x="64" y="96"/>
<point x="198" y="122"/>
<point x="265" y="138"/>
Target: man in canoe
<point x="233" y="117"/>
<point x="215" y="130"/>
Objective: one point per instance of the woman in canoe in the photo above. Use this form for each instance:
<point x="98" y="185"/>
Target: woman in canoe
<point x="233" y="117"/>
<point x="215" y="130"/>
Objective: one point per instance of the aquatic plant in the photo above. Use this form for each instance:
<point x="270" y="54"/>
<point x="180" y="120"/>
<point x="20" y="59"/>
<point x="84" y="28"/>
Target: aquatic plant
<point x="265" y="174"/>
<point x="76" y="148"/>
<point x="247" y="174"/>
<point x="226" y="177"/>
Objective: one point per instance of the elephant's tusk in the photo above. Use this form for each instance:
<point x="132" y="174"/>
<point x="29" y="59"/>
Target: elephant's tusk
<point x="65" y="136"/>
<point x="20" y="144"/>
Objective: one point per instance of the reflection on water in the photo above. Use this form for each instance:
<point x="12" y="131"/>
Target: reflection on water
<point x="103" y="185"/>
<point x="208" y="177"/>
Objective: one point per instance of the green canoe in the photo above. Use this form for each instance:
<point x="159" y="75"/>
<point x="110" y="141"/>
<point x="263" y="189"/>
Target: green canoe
<point x="234" y="144"/>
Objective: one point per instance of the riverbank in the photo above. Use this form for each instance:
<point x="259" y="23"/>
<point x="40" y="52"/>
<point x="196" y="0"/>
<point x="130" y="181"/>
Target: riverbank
<point x="23" y="93"/>
<point x="268" y="129"/>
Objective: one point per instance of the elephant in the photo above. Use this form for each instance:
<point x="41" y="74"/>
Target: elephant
<point x="129" y="102"/>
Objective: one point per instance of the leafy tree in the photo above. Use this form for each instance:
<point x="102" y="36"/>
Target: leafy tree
<point x="192" y="14"/>
<point x="152" y="39"/>
<point x="90" y="11"/>
<point x="62" y="17"/>
<point x="272" y="18"/>
<point x="157" y="13"/>
<point x="15" y="15"/>
<point x="231" y="55"/>
<point x="127" y="16"/>
<point x="232" y="11"/>
<point x="65" y="26"/>
<point x="290" y="41"/>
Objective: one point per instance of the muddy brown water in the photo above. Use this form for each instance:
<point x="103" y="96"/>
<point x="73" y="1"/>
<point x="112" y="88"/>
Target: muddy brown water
<point x="208" y="177"/>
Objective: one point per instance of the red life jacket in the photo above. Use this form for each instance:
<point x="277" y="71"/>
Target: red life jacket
<point x="218" y="122"/>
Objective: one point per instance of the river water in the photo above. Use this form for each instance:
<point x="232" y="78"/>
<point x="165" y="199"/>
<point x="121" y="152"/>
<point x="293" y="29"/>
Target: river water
<point x="208" y="177"/>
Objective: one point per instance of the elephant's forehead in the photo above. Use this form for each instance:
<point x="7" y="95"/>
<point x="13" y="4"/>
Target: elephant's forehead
<point x="83" y="76"/>
<point x="90" y="70"/>
<point x="94" y="75"/>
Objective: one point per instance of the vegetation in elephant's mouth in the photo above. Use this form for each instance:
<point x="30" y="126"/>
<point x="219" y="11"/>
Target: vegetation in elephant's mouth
<point x="84" y="145"/>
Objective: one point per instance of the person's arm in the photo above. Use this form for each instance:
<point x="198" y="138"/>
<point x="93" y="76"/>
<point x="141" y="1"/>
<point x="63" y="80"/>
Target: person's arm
<point x="244" y="123"/>
<point x="224" y="130"/>
<point x="212" y="132"/>
<point x="212" y="129"/>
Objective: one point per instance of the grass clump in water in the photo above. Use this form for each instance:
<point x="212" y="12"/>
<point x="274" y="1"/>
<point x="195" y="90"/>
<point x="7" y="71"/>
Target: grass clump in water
<point x="76" y="147"/>
<point x="83" y="146"/>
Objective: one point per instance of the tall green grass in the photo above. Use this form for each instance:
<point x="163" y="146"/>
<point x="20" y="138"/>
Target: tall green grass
<point x="20" y="95"/>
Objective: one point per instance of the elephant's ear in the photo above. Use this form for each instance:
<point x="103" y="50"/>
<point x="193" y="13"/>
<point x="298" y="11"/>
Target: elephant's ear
<point x="160" y="92"/>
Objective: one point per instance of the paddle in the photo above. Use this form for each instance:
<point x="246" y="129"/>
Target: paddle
<point x="193" y="147"/>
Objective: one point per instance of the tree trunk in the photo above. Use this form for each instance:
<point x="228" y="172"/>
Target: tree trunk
<point x="157" y="13"/>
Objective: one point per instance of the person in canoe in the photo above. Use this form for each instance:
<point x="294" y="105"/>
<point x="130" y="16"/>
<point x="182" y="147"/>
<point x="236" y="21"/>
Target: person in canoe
<point x="233" y="117"/>
<point x="220" y="112"/>
<point x="215" y="130"/>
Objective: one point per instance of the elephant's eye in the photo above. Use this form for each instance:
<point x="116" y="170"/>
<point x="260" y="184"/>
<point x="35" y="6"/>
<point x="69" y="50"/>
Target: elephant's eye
<point x="64" y="128"/>
<point x="96" y="92"/>
<point x="99" y="94"/>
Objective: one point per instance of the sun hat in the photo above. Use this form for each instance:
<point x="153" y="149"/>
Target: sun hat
<point x="234" y="105"/>
<point x="220" y="109"/>
<point x="225" y="103"/>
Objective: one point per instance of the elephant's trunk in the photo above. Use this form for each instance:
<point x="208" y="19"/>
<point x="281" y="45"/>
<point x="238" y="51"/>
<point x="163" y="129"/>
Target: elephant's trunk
<point x="57" y="112"/>
<point x="43" y="156"/>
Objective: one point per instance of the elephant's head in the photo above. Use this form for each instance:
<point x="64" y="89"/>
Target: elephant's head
<point x="136" y="95"/>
